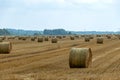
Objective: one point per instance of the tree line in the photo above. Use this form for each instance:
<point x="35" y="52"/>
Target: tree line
<point x="4" y="32"/>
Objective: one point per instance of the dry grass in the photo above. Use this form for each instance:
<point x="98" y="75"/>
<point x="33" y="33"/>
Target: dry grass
<point x="47" y="61"/>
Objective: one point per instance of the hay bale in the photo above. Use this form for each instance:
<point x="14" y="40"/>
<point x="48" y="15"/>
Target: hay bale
<point x="98" y="35"/>
<point x="108" y="36"/>
<point x="72" y="38"/>
<point x="100" y="40"/>
<point x="54" y="40"/>
<point x="5" y="47"/>
<point x="40" y="39"/>
<point x="46" y="39"/>
<point x="77" y="36"/>
<point x="33" y="39"/>
<point x="1" y="39"/>
<point x="10" y="37"/>
<point x="49" y="36"/>
<point x="64" y="36"/>
<point x="80" y="58"/>
<point x="82" y="35"/>
<point x="53" y="37"/>
<point x="19" y="38"/>
<point x="91" y="37"/>
<point x="87" y="39"/>
<point x="59" y="37"/>
<point x="23" y="38"/>
<point x="118" y="37"/>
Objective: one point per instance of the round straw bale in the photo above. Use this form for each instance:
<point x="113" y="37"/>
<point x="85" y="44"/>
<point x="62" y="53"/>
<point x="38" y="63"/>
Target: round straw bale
<point x="72" y="38"/>
<point x="5" y="47"/>
<point x="82" y="35"/>
<point x="98" y="35"/>
<point x="1" y="39"/>
<point x="24" y="38"/>
<point x="87" y="39"/>
<point x="11" y="37"/>
<point x="54" y="40"/>
<point x="91" y="37"/>
<point x="64" y="36"/>
<point x="49" y="36"/>
<point x="118" y="37"/>
<point x="80" y="58"/>
<point x="4" y="38"/>
<point x="40" y="39"/>
<point x="76" y="36"/>
<point x="100" y="40"/>
<point x="108" y="37"/>
<point x="19" y="38"/>
<point x="33" y="39"/>
<point x="53" y="37"/>
<point x="46" y="39"/>
<point x="59" y="37"/>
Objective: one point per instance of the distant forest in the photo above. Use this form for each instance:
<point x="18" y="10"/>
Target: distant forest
<point x="55" y="32"/>
<point x="30" y="32"/>
<point x="4" y="32"/>
<point x="24" y="32"/>
<point x="50" y="32"/>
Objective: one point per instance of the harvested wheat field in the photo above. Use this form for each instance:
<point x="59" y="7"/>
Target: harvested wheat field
<point x="31" y="60"/>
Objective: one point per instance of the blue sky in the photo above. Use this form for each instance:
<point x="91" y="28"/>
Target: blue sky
<point x="77" y="15"/>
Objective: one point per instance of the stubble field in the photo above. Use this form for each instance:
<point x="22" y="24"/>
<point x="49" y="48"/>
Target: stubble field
<point x="30" y="60"/>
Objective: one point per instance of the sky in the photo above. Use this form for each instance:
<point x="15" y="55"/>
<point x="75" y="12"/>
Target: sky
<point x="73" y="15"/>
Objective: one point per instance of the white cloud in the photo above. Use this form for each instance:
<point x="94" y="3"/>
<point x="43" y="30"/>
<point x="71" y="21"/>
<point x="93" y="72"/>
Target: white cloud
<point x="90" y="2"/>
<point x="31" y="2"/>
<point x="108" y="1"/>
<point x="93" y="4"/>
<point x="67" y="1"/>
<point x="69" y="13"/>
<point x="82" y="1"/>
